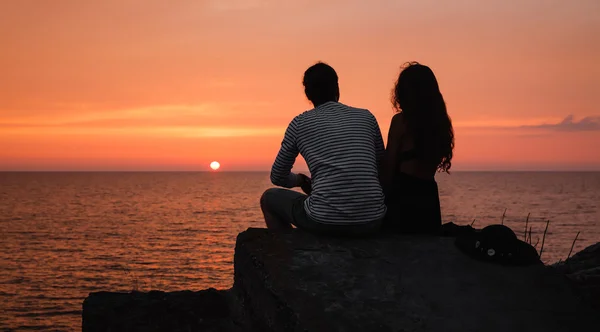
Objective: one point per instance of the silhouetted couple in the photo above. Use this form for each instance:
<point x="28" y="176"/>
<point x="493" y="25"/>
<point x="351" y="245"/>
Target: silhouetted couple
<point x="358" y="186"/>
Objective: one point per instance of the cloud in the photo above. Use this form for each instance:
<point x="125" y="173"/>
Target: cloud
<point x="190" y="131"/>
<point x="568" y="124"/>
<point x="206" y="114"/>
<point x="193" y="121"/>
<point x="588" y="123"/>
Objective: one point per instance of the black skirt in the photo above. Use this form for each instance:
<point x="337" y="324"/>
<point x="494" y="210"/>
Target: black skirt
<point x="413" y="206"/>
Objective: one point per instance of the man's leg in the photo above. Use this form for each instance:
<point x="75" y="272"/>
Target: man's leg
<point x="276" y="205"/>
<point x="304" y="222"/>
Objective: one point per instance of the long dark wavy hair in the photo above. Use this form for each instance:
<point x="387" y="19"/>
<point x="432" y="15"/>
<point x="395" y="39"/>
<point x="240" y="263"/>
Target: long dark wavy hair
<point x="417" y="96"/>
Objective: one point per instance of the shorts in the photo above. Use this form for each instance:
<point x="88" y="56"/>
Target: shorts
<point x="288" y="205"/>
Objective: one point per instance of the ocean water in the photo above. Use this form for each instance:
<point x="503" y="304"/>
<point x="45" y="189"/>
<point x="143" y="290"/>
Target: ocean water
<point x="64" y="235"/>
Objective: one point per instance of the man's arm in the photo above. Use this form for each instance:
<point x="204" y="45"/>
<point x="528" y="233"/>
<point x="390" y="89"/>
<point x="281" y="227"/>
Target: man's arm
<point x="281" y="172"/>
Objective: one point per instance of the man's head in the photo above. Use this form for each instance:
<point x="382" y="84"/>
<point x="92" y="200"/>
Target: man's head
<point x="321" y="84"/>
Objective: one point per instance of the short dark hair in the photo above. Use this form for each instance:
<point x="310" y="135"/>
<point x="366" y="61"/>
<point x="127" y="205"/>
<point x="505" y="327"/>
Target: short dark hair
<point x="321" y="84"/>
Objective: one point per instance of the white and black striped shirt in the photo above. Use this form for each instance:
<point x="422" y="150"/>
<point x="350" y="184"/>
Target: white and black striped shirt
<point x="343" y="147"/>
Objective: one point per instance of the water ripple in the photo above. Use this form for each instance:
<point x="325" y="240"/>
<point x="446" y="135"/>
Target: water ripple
<point x="64" y="235"/>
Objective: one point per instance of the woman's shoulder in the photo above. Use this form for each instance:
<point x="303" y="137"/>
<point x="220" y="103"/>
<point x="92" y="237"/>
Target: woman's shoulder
<point x="398" y="118"/>
<point x="398" y="122"/>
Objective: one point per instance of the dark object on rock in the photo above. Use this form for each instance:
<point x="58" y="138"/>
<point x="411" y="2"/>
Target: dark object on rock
<point x="206" y="310"/>
<point x="295" y="281"/>
<point x="497" y="244"/>
<point x="583" y="270"/>
<point x="453" y="230"/>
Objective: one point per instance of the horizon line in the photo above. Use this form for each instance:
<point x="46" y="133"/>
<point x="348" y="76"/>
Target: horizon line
<point x="299" y="171"/>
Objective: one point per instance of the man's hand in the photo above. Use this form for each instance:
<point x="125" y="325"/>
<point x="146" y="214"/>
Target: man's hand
<point x="305" y="184"/>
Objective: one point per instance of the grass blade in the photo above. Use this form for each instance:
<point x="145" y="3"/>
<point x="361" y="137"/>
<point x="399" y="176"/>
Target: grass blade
<point x="544" y="238"/>
<point x="573" y="245"/>
<point x="526" y="223"/>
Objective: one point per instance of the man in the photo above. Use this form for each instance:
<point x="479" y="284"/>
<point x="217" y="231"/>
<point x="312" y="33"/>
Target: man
<point x="343" y="147"/>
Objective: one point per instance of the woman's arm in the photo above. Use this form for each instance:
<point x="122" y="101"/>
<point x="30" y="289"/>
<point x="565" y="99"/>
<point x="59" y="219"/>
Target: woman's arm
<point x="393" y="148"/>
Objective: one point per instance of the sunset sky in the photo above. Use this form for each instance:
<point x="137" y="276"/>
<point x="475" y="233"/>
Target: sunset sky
<point x="174" y="85"/>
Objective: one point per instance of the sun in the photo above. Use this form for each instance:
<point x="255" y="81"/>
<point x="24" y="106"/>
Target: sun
<point x="215" y="165"/>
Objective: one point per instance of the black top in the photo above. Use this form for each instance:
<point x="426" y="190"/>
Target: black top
<point x="407" y="155"/>
<point x="413" y="204"/>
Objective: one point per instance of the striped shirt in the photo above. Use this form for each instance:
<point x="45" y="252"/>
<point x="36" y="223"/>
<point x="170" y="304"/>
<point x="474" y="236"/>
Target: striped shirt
<point x="343" y="147"/>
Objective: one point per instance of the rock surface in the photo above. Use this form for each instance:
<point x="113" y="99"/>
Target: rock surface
<point x="206" y="310"/>
<point x="298" y="282"/>
<point x="295" y="281"/>
<point x="583" y="270"/>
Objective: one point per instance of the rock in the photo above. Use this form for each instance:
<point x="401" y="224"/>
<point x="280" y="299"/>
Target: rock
<point x="206" y="310"/>
<point x="295" y="281"/>
<point x="583" y="271"/>
<point x="586" y="259"/>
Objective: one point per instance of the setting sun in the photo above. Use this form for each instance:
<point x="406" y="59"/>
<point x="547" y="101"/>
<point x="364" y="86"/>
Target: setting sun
<point x="215" y="165"/>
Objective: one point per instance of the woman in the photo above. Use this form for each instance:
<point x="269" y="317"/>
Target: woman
<point x="420" y="143"/>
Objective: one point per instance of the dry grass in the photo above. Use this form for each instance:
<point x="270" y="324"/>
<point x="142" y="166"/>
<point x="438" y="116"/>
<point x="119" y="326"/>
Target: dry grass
<point x="544" y="238"/>
<point x="573" y="245"/>
<point x="528" y="231"/>
<point x="526" y="223"/>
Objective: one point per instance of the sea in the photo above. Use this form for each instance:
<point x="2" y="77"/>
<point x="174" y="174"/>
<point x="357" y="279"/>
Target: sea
<point x="64" y="235"/>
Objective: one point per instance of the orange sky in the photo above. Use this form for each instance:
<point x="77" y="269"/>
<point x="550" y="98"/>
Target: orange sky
<point x="173" y="85"/>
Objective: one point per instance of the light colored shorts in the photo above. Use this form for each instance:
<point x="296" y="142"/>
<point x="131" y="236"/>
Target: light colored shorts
<point x="289" y="205"/>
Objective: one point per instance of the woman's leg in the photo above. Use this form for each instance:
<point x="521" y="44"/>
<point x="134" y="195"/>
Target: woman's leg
<point x="277" y="207"/>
